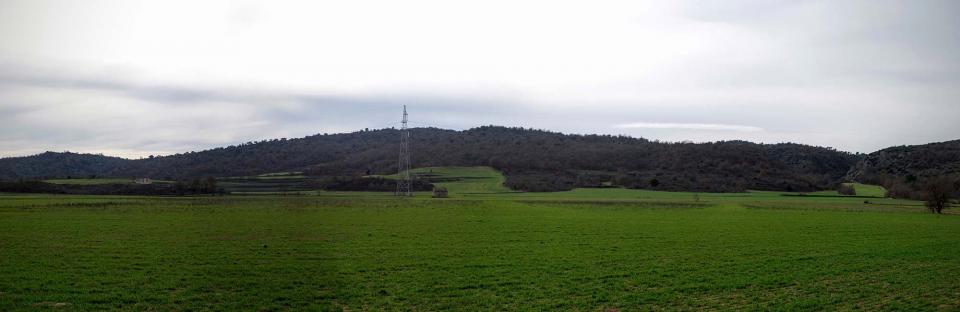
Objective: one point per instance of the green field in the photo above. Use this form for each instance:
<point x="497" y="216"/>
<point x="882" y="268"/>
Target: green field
<point x="869" y="190"/>
<point x="481" y="249"/>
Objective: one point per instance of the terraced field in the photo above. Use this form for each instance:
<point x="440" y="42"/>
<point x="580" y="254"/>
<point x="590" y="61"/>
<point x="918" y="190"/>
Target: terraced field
<point x="464" y="180"/>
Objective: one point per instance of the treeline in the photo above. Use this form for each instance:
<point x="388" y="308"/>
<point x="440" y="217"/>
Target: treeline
<point x="533" y="160"/>
<point x="312" y="183"/>
<point x="911" y="187"/>
<point x="938" y="192"/>
<point x="365" y="184"/>
<point x="180" y="188"/>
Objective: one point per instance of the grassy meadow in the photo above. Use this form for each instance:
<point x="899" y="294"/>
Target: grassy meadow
<point x="485" y="248"/>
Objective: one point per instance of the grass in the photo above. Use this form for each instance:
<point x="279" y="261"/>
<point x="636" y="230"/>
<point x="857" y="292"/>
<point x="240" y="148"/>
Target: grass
<point x="587" y="249"/>
<point x="868" y="190"/>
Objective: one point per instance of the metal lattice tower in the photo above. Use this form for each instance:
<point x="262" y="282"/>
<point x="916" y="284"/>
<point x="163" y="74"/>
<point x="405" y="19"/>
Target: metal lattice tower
<point x="404" y="182"/>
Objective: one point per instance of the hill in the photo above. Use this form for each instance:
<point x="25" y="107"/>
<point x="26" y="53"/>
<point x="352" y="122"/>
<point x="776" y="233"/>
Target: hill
<point x="532" y="160"/>
<point x="913" y="162"/>
<point x="908" y="171"/>
<point x="59" y="165"/>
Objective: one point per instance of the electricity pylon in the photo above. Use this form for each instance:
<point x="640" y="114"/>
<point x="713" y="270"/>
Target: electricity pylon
<point x="404" y="182"/>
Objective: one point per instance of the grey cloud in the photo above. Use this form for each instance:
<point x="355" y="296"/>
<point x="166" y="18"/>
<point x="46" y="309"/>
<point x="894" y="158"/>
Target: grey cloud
<point x="294" y="114"/>
<point x="14" y="75"/>
<point x="273" y="114"/>
<point x="315" y="104"/>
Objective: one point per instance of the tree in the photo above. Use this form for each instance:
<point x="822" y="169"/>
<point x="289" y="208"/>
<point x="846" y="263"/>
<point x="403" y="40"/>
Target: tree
<point x="937" y="194"/>
<point x="956" y="188"/>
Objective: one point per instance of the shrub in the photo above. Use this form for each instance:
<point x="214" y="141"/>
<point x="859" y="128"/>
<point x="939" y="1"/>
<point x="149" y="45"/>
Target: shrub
<point x="899" y="190"/>
<point x="846" y="189"/>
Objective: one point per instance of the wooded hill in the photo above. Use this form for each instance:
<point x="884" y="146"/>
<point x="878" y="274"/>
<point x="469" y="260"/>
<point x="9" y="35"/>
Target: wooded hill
<point x="911" y="171"/>
<point x="908" y="162"/>
<point x="533" y="160"/>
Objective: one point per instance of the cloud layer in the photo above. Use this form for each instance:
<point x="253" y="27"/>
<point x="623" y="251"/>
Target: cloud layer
<point x="688" y="126"/>
<point x="119" y="77"/>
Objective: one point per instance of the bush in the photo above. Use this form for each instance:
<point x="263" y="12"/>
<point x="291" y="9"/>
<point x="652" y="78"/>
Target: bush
<point x="440" y="192"/>
<point x="900" y="190"/>
<point x="846" y="189"/>
<point x="540" y="181"/>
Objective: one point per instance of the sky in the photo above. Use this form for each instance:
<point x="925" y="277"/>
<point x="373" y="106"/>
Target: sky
<point x="132" y="79"/>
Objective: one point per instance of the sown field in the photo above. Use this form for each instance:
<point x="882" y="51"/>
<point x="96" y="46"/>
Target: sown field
<point x="595" y="250"/>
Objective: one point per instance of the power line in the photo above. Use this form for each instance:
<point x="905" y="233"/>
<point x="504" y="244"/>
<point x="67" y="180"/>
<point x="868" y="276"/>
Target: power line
<point x="403" y="173"/>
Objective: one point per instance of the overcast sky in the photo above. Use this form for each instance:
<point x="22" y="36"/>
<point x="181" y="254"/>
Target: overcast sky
<point x="132" y="79"/>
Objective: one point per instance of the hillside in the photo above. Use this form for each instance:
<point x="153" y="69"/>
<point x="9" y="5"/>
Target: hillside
<point x="532" y="160"/>
<point x="907" y="164"/>
<point x="62" y="165"/>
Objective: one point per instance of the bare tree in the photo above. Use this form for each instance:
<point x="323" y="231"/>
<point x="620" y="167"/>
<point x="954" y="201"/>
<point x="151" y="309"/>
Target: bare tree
<point x="938" y="191"/>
